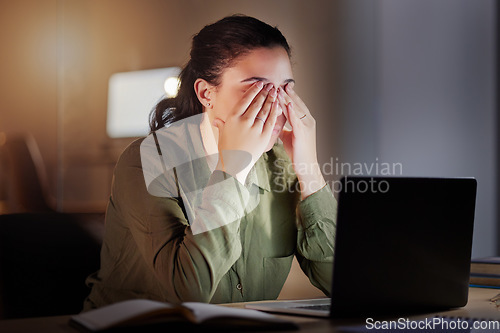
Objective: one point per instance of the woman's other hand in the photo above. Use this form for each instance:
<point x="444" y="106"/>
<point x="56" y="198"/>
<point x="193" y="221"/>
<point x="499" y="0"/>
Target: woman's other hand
<point x="300" y="141"/>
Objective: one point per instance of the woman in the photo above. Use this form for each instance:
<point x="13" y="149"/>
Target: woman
<point x="209" y="207"/>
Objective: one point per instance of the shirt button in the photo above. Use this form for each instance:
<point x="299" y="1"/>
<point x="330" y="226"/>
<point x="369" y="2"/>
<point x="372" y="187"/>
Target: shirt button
<point x="238" y="286"/>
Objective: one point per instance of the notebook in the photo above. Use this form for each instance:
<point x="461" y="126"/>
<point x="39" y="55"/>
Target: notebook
<point x="402" y="245"/>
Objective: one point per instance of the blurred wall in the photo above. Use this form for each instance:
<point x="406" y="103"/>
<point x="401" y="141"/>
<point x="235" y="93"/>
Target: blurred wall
<point x="28" y="74"/>
<point x="419" y="89"/>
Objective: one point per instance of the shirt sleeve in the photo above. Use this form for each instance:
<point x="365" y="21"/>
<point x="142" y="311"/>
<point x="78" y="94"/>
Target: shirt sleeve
<point x="315" y="239"/>
<point x="188" y="261"/>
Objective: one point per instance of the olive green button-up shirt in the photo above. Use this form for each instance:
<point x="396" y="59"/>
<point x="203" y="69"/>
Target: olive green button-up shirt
<point x="236" y="243"/>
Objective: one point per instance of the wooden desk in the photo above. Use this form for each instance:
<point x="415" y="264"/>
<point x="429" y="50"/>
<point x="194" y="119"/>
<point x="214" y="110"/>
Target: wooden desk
<point x="479" y="307"/>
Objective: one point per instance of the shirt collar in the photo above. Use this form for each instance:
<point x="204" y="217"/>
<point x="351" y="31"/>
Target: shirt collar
<point x="258" y="175"/>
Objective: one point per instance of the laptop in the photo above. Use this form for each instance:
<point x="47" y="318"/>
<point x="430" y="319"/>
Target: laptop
<point x="402" y="245"/>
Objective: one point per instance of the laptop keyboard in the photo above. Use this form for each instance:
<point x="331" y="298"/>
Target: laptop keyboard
<point x="323" y="307"/>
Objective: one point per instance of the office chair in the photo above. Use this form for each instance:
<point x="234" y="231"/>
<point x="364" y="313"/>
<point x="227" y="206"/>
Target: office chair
<point x="25" y="176"/>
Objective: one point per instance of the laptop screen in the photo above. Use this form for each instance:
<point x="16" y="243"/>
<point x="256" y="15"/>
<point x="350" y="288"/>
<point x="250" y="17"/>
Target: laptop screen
<point x="402" y="244"/>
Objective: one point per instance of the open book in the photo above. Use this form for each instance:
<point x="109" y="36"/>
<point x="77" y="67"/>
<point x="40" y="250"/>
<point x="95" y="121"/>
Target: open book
<point x="142" y="312"/>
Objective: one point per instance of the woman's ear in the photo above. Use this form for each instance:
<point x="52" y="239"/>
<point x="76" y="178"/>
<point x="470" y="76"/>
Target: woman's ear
<point x="204" y="92"/>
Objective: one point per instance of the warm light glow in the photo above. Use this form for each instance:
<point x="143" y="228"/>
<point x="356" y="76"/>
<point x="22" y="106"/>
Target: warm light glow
<point x="132" y="96"/>
<point x="171" y="86"/>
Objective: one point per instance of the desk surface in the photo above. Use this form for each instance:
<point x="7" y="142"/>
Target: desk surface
<point x="478" y="306"/>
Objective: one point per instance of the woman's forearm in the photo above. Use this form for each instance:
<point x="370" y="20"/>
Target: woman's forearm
<point x="310" y="179"/>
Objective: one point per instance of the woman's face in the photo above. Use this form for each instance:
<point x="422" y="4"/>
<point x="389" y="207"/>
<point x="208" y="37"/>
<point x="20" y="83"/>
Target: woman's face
<point x="269" y="65"/>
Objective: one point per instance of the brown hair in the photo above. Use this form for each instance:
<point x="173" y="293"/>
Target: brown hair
<point x="213" y="50"/>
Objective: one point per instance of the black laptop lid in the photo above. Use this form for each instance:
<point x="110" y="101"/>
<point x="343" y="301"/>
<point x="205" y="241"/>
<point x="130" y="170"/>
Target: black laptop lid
<point x="402" y="244"/>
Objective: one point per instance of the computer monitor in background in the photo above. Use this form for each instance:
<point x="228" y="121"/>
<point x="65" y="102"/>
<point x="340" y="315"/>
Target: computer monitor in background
<point x="132" y="96"/>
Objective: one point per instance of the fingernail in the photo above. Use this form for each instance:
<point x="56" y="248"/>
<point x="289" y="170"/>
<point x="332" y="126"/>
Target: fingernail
<point x="260" y="84"/>
<point x="269" y="86"/>
<point x="272" y="92"/>
<point x="288" y="87"/>
<point x="279" y="111"/>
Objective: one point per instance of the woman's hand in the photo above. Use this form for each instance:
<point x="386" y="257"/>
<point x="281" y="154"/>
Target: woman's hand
<point x="300" y="141"/>
<point x="245" y="133"/>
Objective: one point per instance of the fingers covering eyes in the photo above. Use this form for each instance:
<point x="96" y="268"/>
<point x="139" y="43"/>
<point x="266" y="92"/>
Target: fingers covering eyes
<point x="264" y="112"/>
<point x="257" y="104"/>
<point x="249" y="97"/>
